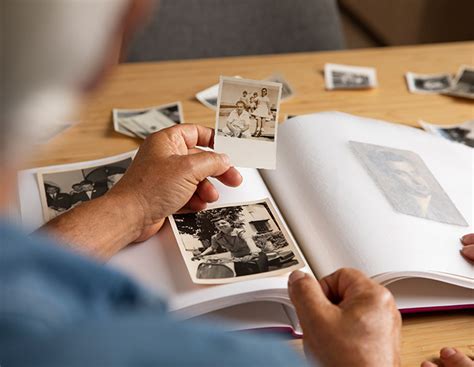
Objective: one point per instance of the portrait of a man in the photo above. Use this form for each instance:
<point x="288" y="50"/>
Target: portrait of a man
<point x="407" y="183"/>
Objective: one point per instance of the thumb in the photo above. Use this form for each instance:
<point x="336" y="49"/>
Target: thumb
<point x="311" y="304"/>
<point x="207" y="164"/>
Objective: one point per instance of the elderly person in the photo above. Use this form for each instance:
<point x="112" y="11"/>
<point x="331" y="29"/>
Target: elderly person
<point x="59" y="306"/>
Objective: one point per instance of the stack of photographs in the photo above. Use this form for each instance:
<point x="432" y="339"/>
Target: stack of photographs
<point x="145" y="121"/>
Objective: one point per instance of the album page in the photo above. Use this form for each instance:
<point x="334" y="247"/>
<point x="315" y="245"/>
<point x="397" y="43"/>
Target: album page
<point x="348" y="206"/>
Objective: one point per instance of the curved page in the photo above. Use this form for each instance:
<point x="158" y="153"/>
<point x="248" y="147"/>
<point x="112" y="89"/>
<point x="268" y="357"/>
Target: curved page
<point x="341" y="217"/>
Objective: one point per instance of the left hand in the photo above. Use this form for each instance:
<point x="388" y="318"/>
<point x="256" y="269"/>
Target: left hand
<point x="169" y="174"/>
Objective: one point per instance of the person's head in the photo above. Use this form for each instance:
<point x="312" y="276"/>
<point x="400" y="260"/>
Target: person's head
<point x="244" y="93"/>
<point x="255" y="94"/>
<point x="264" y="92"/>
<point x="51" y="189"/>
<point x="240" y="106"/>
<point x="223" y="225"/>
<point x="86" y="185"/>
<point x="54" y="52"/>
<point x="403" y="172"/>
<point x="76" y="187"/>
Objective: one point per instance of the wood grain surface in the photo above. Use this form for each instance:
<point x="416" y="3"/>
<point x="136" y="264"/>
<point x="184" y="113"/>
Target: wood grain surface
<point x="148" y="84"/>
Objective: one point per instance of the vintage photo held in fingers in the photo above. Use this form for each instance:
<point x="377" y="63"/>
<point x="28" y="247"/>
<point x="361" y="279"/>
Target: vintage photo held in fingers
<point x="349" y="77"/>
<point x="247" y="121"/>
<point x="407" y="183"/>
<point x="428" y="83"/>
<point x="235" y="242"/>
<point x="145" y="121"/>
<point x="462" y="133"/>
<point x="61" y="191"/>
<point x="463" y="84"/>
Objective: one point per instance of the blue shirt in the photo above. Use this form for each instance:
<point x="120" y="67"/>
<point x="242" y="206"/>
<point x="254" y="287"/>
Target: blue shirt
<point x="60" y="309"/>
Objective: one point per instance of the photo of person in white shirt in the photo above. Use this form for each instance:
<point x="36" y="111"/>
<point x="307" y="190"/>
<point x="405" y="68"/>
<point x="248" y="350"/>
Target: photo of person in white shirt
<point x="238" y="122"/>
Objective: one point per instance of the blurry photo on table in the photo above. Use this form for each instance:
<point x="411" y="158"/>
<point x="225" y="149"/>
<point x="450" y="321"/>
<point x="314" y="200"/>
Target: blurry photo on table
<point x="463" y="84"/>
<point x="349" y="77"/>
<point x="286" y="89"/>
<point x="61" y="191"/>
<point x="428" y="84"/>
<point x="461" y="133"/>
<point x="235" y="242"/>
<point x="145" y="121"/>
<point x="407" y="183"/>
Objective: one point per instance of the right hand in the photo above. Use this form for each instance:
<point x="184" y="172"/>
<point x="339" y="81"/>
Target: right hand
<point x="347" y="319"/>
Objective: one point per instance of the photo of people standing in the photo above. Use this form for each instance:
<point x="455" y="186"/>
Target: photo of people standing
<point x="63" y="190"/>
<point x="248" y="109"/>
<point x="234" y="241"/>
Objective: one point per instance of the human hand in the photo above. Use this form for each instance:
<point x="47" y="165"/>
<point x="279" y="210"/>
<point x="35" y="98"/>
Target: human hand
<point x="347" y="319"/>
<point x="169" y="174"/>
<point x="451" y="357"/>
<point x="468" y="249"/>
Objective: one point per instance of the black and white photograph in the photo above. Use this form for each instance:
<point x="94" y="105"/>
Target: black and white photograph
<point x="407" y="183"/>
<point x="428" y="83"/>
<point x="235" y="242"/>
<point x="463" y="84"/>
<point x="208" y="96"/>
<point x="247" y="121"/>
<point x="61" y="191"/>
<point x="145" y="121"/>
<point x="461" y="133"/>
<point x="349" y="77"/>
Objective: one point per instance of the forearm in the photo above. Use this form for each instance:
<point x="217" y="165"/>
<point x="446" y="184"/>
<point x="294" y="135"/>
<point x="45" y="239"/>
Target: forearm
<point x="98" y="228"/>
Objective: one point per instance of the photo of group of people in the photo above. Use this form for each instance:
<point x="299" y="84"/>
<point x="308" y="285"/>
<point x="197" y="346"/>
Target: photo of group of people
<point x="63" y="190"/>
<point x="248" y="110"/>
<point x="234" y="241"/>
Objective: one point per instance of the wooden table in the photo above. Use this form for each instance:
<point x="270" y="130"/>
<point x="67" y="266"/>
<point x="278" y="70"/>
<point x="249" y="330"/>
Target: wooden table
<point x="148" y="84"/>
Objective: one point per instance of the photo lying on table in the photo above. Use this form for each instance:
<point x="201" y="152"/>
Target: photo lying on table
<point x="286" y="89"/>
<point x="428" y="84"/>
<point x="407" y="183"/>
<point x="461" y="133"/>
<point x="145" y="121"/>
<point x="235" y="242"/>
<point x="349" y="77"/>
<point x="247" y="121"/>
<point x="61" y="191"/>
<point x="463" y="84"/>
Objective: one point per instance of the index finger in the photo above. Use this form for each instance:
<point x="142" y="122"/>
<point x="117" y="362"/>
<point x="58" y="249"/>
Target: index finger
<point x="192" y="135"/>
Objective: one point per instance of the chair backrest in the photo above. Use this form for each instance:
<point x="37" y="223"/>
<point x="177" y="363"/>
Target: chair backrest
<point x="185" y="29"/>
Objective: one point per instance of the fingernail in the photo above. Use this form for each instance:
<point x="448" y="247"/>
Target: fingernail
<point x="225" y="158"/>
<point x="296" y="275"/>
<point x="462" y="239"/>
<point x="447" y="352"/>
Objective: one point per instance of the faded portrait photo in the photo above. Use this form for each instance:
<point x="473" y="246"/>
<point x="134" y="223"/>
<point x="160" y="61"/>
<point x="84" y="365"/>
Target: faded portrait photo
<point x="407" y="183"/>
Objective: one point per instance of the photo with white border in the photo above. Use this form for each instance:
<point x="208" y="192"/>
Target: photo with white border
<point x="142" y="122"/>
<point x="247" y="121"/>
<point x="349" y="77"/>
<point x="235" y="242"/>
<point x="61" y="190"/>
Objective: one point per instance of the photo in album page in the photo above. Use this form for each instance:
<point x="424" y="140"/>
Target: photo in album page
<point x="235" y="242"/>
<point x="407" y="183"/>
<point x="62" y="190"/>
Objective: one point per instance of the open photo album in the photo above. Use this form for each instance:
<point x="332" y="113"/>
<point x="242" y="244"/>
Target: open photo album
<point x="347" y="191"/>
